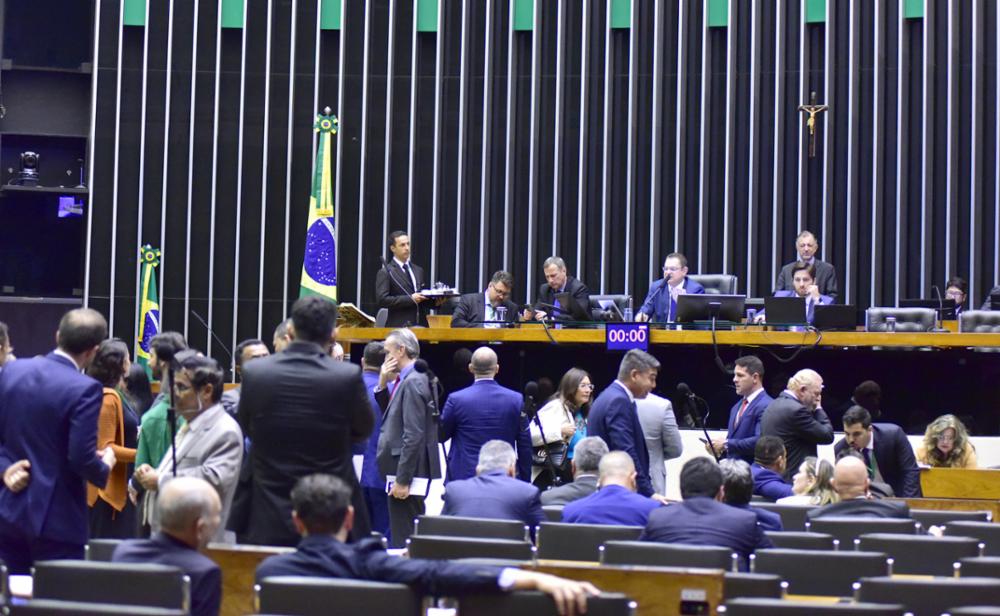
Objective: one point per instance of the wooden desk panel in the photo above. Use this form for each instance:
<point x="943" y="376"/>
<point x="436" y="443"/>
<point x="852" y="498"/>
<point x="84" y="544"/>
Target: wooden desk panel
<point x="239" y="563"/>
<point x="975" y="483"/>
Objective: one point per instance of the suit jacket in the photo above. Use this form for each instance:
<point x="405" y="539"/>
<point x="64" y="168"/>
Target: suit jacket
<point x="393" y="290"/>
<point x="615" y="418"/>
<point x="408" y="441"/>
<point x="769" y="484"/>
<point x="162" y="549"/>
<point x="826" y="278"/>
<point x="704" y="521"/>
<point x="987" y="304"/>
<point x="583" y="485"/>
<point x="111" y="433"/>
<point x="741" y="440"/>
<point x="494" y="495"/>
<point x="663" y="438"/>
<point x="862" y="508"/>
<point x="612" y="504"/>
<point x="325" y="556"/>
<point x="768" y="520"/>
<point x="471" y="310"/>
<point x="302" y="410"/>
<point x="799" y="428"/>
<point x="48" y="415"/>
<point x="579" y="291"/>
<point x="211" y="450"/>
<point x="231" y="401"/>
<point x="824" y="300"/>
<point x="479" y="413"/>
<point x="894" y="459"/>
<point x="660" y="306"/>
<point x="370" y="477"/>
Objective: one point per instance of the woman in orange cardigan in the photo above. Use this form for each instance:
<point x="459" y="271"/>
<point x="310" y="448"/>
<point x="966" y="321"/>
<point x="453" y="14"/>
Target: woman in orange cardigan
<point x="112" y="516"/>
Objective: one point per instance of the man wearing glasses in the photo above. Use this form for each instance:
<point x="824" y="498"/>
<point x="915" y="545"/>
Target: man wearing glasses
<point x="492" y="308"/>
<point x="661" y="302"/>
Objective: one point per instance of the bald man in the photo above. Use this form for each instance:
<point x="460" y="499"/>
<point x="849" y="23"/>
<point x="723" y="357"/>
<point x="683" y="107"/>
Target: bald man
<point x="851" y="482"/>
<point x="615" y="501"/>
<point x="798" y="419"/>
<point x="190" y="514"/>
<point x="482" y="412"/>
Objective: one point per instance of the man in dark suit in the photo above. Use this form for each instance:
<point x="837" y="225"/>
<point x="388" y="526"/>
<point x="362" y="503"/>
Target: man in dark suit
<point x="557" y="281"/>
<point x="850" y="481"/>
<point x="737" y="483"/>
<point x="768" y="469"/>
<point x="660" y="304"/>
<point x="615" y="501"/>
<point x="323" y="516"/>
<point x="804" y="286"/>
<point x="987" y="303"/>
<point x="484" y="309"/>
<point x="494" y="492"/>
<point x="48" y="446"/>
<point x="797" y="418"/>
<point x="482" y="412"/>
<point x="615" y="418"/>
<point x="744" y="417"/>
<point x="398" y="285"/>
<point x="702" y="519"/>
<point x="302" y="411"/>
<point x="245" y="351"/>
<point x="189" y="517"/>
<point x="587" y="454"/>
<point x="826" y="276"/>
<point x="408" y="441"/>
<point x="372" y="481"/>
<point x="885" y="449"/>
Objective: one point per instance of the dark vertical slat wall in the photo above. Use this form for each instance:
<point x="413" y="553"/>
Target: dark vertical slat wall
<point x="471" y="134"/>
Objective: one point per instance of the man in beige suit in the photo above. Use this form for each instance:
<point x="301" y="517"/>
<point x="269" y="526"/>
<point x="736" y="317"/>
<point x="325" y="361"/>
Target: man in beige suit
<point x="210" y="444"/>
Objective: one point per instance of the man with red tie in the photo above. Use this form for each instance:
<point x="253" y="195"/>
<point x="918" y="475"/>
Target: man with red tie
<point x="744" y="418"/>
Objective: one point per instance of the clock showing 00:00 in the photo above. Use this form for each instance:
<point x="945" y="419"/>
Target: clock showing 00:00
<point x="627" y="336"/>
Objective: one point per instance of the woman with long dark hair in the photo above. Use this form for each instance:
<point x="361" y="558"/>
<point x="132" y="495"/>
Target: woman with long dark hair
<point x="563" y="422"/>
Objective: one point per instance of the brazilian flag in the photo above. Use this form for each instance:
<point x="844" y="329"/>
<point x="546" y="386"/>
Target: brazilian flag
<point x="149" y="311"/>
<point x="319" y="267"/>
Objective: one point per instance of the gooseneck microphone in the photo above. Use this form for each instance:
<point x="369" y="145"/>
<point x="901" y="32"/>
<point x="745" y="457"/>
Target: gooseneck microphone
<point x="422" y="367"/>
<point x="684" y="390"/>
<point x="385" y="267"/>
<point x="940" y="311"/>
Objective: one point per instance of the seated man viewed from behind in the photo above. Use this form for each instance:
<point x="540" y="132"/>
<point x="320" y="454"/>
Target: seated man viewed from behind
<point x="737" y="483"/>
<point x="322" y="514"/>
<point x="494" y="492"/>
<point x="586" y="457"/>
<point x="615" y="501"/>
<point x="850" y="480"/>
<point x="769" y="468"/>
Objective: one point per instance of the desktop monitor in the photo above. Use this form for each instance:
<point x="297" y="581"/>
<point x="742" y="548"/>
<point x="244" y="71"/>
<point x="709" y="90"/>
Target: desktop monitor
<point x="691" y="308"/>
<point x="569" y="306"/>
<point x="944" y="307"/>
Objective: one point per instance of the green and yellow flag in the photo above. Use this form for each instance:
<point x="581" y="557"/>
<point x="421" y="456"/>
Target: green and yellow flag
<point x="149" y="311"/>
<point x="319" y="266"/>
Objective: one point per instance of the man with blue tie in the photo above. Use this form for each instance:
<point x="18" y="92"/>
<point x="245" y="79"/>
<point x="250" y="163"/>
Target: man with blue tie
<point x="482" y="412"/>
<point x="824" y="274"/>
<point x="615" y="501"/>
<point x="804" y="285"/>
<point x="661" y="301"/>
<point x="615" y="418"/>
<point x="48" y="452"/>
<point x="744" y="417"/>
<point x="494" y="492"/>
<point x="558" y="281"/>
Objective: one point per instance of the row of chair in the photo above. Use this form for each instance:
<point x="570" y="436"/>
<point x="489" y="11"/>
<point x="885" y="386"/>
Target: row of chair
<point x="793" y="517"/>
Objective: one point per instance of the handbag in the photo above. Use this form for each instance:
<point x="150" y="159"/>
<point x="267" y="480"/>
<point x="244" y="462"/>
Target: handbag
<point x="554" y="452"/>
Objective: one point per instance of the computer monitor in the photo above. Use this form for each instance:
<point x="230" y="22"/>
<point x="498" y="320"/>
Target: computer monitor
<point x="569" y="306"/>
<point x="834" y="317"/>
<point x="691" y="308"/>
<point x="995" y="301"/>
<point x="785" y="310"/>
<point x="945" y="307"/>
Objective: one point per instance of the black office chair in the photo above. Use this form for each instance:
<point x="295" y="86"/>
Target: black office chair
<point x="553" y="513"/>
<point x="48" y="607"/>
<point x="101" y="550"/>
<point x="600" y="313"/>
<point x="809" y="572"/>
<point x="667" y="555"/>
<point x="802" y="540"/>
<point x="120" y="583"/>
<point x="448" y="548"/>
<point x="979" y="322"/>
<point x="846" y="529"/>
<point x="975" y="610"/>
<point x="783" y="607"/>
<point x="906" y="319"/>
<point x="793" y="517"/>
<point x="928" y="596"/>
<point x="987" y="532"/>
<point x="980" y="566"/>
<point x="716" y="284"/>
<point x="310" y="596"/>
<point x="763" y="585"/>
<point x="921" y="554"/>
<point x="457" y="526"/>
<point x="523" y="603"/>
<point x="560" y="541"/>
<point x="933" y="517"/>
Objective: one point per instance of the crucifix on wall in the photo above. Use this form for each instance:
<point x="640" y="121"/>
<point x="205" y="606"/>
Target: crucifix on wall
<point x="812" y="109"/>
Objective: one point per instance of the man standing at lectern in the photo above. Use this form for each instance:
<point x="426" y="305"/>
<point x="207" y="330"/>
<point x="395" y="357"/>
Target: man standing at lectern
<point x="398" y="284"/>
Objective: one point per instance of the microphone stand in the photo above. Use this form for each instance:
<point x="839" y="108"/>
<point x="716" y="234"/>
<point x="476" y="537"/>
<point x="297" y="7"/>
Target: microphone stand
<point x="704" y="428"/>
<point x="172" y="415"/>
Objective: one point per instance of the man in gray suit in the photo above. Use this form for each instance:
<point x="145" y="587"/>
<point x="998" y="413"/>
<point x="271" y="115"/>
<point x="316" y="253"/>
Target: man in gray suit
<point x="826" y="276"/>
<point x="587" y="456"/>
<point x="663" y="438"/>
<point x="210" y="444"/>
<point x="798" y="419"/>
<point x="407" y="443"/>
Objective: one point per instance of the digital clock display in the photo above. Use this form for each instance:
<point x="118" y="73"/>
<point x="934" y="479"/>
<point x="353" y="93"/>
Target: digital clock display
<point x="627" y="336"/>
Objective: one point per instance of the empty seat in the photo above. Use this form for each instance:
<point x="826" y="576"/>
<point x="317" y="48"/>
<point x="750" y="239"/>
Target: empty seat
<point x="793" y="517"/>
<point x="802" y="540"/>
<point x="535" y="603"/>
<point x="49" y="607"/>
<point x="782" y="607"/>
<point x="724" y="284"/>
<point x="981" y="566"/>
<point x="763" y="585"/>
<point x="975" y="610"/>
<point x="120" y="583"/>
<point x="987" y="532"/>
<point x="921" y="554"/>
<point x="667" y="555"/>
<point x="456" y="526"/>
<point x="553" y="513"/>
<point x="906" y="319"/>
<point x="926" y="596"/>
<point x="809" y="572"/>
<point x="560" y="541"/>
<point x="933" y="517"/>
<point x="446" y="548"/>
<point x="101" y="549"/>
<point x="309" y="596"/>
<point x="847" y="529"/>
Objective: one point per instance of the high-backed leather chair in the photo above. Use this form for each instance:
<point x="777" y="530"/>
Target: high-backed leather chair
<point x="599" y="313"/>
<point x="717" y="284"/>
<point x="907" y="319"/>
<point x="979" y="322"/>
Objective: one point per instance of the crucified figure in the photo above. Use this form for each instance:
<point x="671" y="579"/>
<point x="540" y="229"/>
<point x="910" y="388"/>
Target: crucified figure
<point x="812" y="109"/>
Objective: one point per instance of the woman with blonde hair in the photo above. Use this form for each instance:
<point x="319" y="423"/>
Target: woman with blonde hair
<point x="946" y="444"/>
<point x="563" y="422"/>
<point x="811" y="484"/>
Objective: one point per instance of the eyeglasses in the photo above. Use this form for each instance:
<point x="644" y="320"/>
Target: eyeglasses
<point x="586" y="386"/>
<point x="672" y="269"/>
<point x="945" y="438"/>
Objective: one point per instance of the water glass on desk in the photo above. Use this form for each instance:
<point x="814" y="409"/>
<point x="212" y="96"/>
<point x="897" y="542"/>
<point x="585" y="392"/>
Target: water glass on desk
<point x="501" y="314"/>
<point x="890" y="324"/>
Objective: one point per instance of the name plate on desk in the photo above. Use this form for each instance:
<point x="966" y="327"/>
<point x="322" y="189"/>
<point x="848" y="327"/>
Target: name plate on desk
<point x="626" y="336"/>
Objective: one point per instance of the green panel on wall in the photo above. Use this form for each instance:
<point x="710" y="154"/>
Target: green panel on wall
<point x="524" y="14"/>
<point x="427" y="15"/>
<point x="135" y="13"/>
<point x="913" y="9"/>
<point x="718" y="13"/>
<point x="815" y="11"/>
<point x="329" y="15"/>
<point x="621" y="13"/>
<point x="232" y="13"/>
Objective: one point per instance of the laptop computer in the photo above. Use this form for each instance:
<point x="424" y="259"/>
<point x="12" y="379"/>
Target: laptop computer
<point x="835" y="317"/>
<point x="945" y="307"/>
<point x="785" y="310"/>
<point x="611" y="306"/>
<point x="569" y="307"/>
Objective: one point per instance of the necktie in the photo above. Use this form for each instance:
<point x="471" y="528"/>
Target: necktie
<point x="809" y="311"/>
<point x="395" y="386"/>
<point x="868" y="462"/>
<point x="739" y="415"/>
<point x="409" y="275"/>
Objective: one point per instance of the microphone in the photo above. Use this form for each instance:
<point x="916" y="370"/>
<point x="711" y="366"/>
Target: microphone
<point x="214" y="337"/>
<point x="940" y="312"/>
<point x="684" y="390"/>
<point x="530" y="395"/>
<point x="421" y="366"/>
